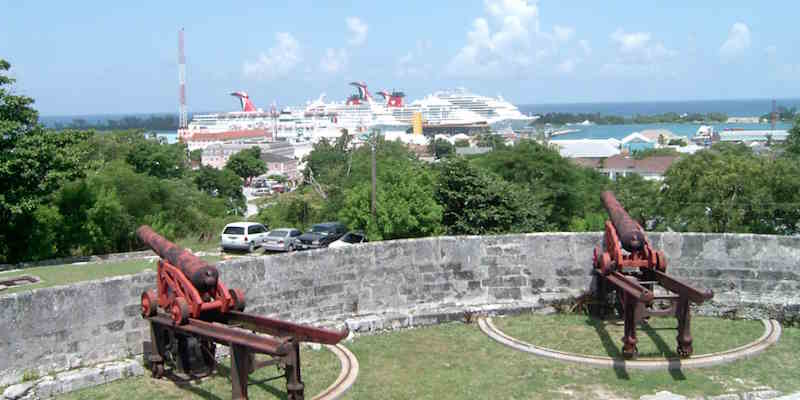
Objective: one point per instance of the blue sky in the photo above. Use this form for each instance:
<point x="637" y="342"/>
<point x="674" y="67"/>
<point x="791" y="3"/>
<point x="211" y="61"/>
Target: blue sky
<point x="93" y="57"/>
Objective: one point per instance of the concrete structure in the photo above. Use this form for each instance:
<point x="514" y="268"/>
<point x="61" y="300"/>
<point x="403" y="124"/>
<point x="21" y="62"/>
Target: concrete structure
<point x="395" y="283"/>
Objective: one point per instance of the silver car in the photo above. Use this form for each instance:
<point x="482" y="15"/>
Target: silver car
<point x="284" y="239"/>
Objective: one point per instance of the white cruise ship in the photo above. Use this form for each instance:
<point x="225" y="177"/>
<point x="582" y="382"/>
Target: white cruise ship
<point x="360" y="112"/>
<point x="491" y="109"/>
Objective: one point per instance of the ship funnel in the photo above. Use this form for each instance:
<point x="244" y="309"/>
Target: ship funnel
<point x="247" y="105"/>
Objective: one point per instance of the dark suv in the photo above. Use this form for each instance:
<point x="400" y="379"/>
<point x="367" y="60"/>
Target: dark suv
<point x="321" y="235"/>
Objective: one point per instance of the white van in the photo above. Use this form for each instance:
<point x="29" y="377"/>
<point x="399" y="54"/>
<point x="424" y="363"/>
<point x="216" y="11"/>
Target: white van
<point x="243" y="236"/>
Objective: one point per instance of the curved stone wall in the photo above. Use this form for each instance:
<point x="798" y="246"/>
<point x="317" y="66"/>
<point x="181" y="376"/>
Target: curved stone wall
<point x="406" y="282"/>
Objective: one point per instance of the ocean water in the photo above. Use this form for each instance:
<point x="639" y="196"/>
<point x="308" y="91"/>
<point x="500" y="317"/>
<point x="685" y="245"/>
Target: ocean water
<point x="733" y="108"/>
<point x="620" y="131"/>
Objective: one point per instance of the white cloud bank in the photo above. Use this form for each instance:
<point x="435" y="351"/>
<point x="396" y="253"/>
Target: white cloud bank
<point x="738" y="41"/>
<point x="508" y="40"/>
<point x="358" y="31"/>
<point x="277" y="62"/>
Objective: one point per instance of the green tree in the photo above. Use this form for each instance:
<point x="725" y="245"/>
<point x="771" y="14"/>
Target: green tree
<point x="441" y="148"/>
<point x="247" y="163"/>
<point x="196" y="155"/>
<point x="462" y="143"/>
<point x="729" y="190"/>
<point x="572" y="191"/>
<point x="477" y="203"/>
<point x="491" y="140"/>
<point x="299" y="209"/>
<point x="406" y="205"/>
<point x="793" y="140"/>
<point x="223" y="184"/>
<point x="154" y="158"/>
<point x="33" y="164"/>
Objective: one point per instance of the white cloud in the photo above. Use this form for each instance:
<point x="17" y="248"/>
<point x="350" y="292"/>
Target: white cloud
<point x="334" y="60"/>
<point x="639" y="48"/>
<point x="413" y="62"/>
<point x="278" y="61"/>
<point x="563" y="33"/>
<point x="508" y="47"/>
<point x="507" y="41"/>
<point x="638" y="54"/>
<point x="585" y="46"/>
<point x="630" y="42"/>
<point x="738" y="41"/>
<point x="567" y="66"/>
<point x="358" y="30"/>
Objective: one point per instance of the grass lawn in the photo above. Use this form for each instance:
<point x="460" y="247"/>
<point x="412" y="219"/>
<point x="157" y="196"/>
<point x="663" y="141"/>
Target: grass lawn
<point x="457" y="361"/>
<point x="580" y="334"/>
<point x="319" y="368"/>
<point x="55" y="275"/>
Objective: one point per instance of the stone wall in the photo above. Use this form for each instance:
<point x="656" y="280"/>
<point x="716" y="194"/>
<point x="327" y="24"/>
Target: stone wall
<point x="58" y="328"/>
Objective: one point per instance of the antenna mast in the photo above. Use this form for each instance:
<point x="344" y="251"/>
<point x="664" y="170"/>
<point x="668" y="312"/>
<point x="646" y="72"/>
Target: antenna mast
<point x="774" y="115"/>
<point x="182" y="116"/>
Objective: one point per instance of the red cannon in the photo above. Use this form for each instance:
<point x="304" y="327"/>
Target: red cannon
<point x="204" y="313"/>
<point x="633" y="274"/>
<point x="187" y="285"/>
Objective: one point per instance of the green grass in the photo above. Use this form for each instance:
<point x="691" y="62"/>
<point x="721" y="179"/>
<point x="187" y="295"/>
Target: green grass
<point x="581" y="334"/>
<point x="457" y="361"/>
<point x="319" y="368"/>
<point x="65" y="274"/>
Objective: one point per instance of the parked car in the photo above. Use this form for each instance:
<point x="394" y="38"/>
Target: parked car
<point x="283" y="239"/>
<point x="243" y="236"/>
<point x="321" y="235"/>
<point x="262" y="191"/>
<point x="349" y="238"/>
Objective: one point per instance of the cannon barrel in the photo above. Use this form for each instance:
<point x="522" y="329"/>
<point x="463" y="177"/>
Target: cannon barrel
<point x="630" y="233"/>
<point x="202" y="275"/>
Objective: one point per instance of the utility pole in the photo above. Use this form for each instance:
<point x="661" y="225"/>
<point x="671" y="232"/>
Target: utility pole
<point x="373" y="143"/>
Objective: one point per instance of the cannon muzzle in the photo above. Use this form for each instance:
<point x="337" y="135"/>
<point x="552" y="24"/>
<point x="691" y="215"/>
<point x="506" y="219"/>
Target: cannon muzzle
<point x="202" y="275"/>
<point x="629" y="231"/>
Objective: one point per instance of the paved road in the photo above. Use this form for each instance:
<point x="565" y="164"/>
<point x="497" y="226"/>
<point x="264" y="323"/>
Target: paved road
<point x="251" y="206"/>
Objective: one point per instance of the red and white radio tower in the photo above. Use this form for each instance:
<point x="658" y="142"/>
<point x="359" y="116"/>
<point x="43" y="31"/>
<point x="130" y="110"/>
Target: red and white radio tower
<point x="182" y="117"/>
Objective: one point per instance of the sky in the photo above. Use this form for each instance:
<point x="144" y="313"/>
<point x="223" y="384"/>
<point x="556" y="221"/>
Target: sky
<point x="101" y="57"/>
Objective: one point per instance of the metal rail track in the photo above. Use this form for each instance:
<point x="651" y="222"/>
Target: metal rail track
<point x="346" y="377"/>
<point x="772" y="332"/>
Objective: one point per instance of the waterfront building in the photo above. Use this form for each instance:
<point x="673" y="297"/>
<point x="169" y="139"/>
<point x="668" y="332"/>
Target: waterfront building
<point x="750" y="136"/>
<point x="587" y="148"/>
<point x="650" y="168"/>
<point x="637" y="142"/>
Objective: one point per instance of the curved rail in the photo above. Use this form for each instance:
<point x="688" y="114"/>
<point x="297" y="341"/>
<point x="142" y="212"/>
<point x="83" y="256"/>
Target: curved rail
<point x="346" y="377"/>
<point x="772" y="332"/>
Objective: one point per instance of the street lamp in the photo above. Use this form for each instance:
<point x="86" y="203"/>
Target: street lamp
<point x="373" y="142"/>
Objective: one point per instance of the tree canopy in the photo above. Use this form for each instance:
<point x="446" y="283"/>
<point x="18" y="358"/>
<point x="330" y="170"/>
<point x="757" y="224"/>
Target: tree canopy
<point x="247" y="163"/>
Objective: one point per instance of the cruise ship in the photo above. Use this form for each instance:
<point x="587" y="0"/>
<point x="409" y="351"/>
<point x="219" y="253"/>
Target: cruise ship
<point x="250" y="123"/>
<point x="457" y="110"/>
<point x="492" y="109"/>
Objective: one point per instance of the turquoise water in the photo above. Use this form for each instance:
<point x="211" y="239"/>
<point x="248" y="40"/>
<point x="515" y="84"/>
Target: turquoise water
<point x="171" y="136"/>
<point x="620" y="131"/>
